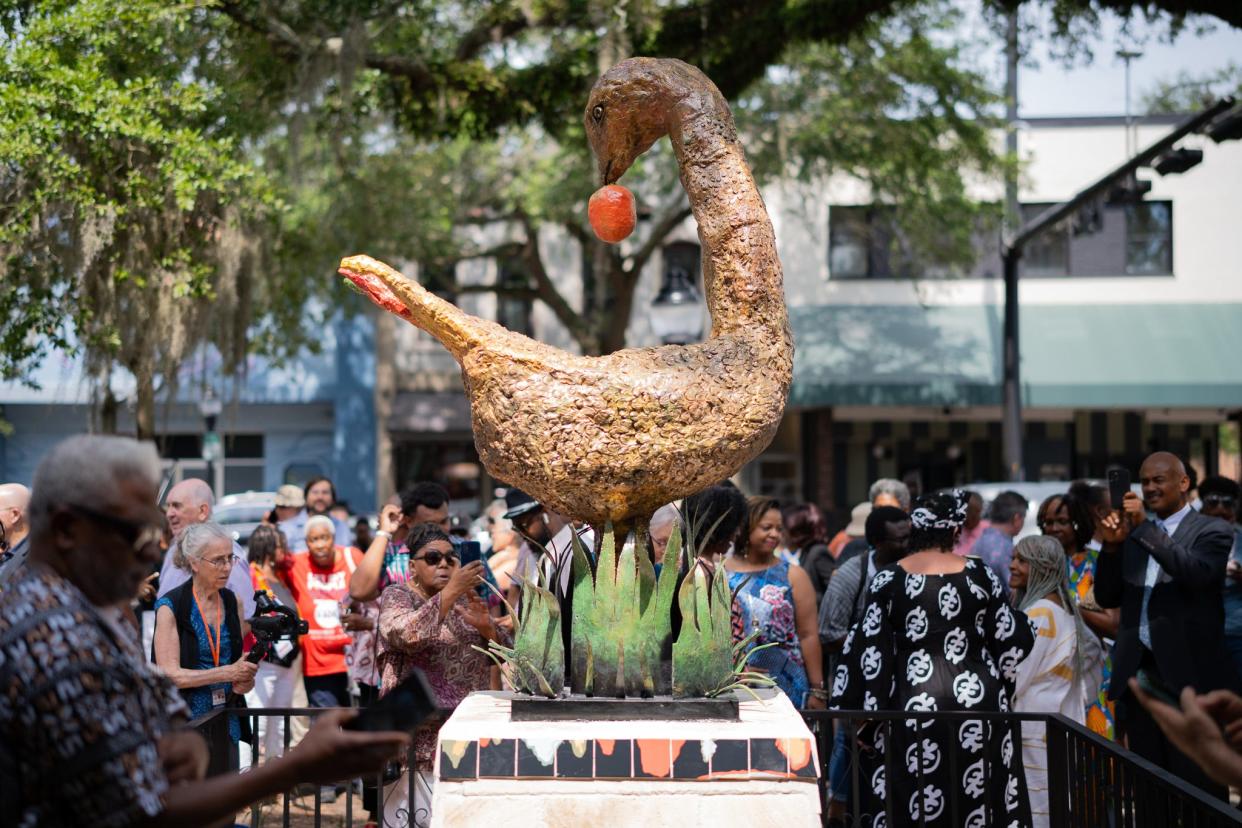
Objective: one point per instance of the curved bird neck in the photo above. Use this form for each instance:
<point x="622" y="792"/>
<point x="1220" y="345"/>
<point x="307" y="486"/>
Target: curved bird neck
<point x="741" y="272"/>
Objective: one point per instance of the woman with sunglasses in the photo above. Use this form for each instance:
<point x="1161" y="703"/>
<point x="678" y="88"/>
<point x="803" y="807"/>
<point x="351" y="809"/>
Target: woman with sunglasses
<point x="199" y="628"/>
<point x="433" y="622"/>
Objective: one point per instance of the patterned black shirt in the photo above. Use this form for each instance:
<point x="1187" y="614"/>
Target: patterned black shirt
<point x="81" y="711"/>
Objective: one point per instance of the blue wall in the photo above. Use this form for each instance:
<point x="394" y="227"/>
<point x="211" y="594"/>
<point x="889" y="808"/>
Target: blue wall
<point x="318" y="409"/>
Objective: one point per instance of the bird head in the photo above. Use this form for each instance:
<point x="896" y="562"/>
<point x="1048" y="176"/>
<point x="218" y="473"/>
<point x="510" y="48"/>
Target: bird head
<point x="629" y="109"/>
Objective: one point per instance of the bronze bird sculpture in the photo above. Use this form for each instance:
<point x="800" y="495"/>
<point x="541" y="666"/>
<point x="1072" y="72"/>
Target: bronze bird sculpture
<point x="615" y="437"/>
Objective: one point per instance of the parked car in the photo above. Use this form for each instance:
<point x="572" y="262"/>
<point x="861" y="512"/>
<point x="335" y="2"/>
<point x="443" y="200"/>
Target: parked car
<point x="241" y="513"/>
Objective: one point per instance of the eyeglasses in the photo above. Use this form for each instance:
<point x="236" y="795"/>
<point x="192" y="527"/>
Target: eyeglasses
<point x="138" y="534"/>
<point x="219" y="563"/>
<point x="433" y="558"/>
<point x="1221" y="500"/>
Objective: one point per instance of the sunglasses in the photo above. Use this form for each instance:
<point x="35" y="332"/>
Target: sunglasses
<point x="434" y="557"/>
<point x="1220" y="500"/>
<point x="138" y="534"/>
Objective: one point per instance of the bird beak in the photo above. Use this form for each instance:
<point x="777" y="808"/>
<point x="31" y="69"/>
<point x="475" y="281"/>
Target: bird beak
<point x="605" y="172"/>
<point x="370" y="286"/>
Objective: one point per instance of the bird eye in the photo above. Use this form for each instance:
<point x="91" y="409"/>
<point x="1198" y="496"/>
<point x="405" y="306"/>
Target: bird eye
<point x="597" y="113"/>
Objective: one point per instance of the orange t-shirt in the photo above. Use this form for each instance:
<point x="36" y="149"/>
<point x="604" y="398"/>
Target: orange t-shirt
<point x="318" y="592"/>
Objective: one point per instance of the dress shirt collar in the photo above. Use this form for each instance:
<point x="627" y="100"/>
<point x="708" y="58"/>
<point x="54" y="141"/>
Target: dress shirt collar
<point x="1174" y="520"/>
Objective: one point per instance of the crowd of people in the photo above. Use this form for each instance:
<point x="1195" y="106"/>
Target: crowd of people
<point x="927" y="603"/>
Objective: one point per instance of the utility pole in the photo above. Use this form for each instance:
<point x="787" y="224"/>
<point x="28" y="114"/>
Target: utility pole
<point x="1011" y="394"/>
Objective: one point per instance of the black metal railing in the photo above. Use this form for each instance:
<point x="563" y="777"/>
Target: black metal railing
<point x="307" y="801"/>
<point x="1092" y="782"/>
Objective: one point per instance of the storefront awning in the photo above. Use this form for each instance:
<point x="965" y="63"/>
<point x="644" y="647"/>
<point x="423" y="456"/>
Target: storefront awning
<point x="1103" y="356"/>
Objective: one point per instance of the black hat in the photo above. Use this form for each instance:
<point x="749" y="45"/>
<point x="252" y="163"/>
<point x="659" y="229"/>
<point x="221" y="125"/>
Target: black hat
<point x="518" y="503"/>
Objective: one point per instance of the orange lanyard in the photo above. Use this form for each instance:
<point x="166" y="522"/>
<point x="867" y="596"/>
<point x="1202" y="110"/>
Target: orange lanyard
<point x="212" y="644"/>
<point x="260" y="580"/>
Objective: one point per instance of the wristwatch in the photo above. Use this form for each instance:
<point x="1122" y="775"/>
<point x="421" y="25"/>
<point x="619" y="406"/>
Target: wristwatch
<point x="381" y="533"/>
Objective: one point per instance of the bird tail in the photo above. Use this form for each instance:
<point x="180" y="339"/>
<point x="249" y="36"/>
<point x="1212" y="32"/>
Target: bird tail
<point x="457" y="330"/>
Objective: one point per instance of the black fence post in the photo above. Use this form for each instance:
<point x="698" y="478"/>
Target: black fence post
<point x="1058" y="788"/>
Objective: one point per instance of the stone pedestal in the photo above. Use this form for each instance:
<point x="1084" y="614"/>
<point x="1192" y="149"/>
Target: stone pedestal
<point x="758" y="771"/>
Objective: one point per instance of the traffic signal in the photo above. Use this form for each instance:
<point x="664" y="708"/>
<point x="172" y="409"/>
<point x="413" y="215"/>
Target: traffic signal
<point x="1177" y="161"/>
<point x="1228" y="127"/>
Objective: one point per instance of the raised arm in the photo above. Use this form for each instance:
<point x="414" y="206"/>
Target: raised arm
<point x="364" y="584"/>
<point x="1200" y="567"/>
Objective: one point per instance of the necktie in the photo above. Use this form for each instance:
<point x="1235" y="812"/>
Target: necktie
<point x="1153" y="573"/>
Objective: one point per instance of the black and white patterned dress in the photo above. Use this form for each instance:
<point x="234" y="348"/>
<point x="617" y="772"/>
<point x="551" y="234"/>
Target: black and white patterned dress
<point x="938" y="642"/>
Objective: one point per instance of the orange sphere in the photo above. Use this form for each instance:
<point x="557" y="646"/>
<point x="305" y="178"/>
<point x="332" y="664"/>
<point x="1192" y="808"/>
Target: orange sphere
<point x="612" y="214"/>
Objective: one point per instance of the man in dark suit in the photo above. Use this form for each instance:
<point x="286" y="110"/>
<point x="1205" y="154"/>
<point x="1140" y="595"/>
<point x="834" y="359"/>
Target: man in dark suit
<point x="1165" y="574"/>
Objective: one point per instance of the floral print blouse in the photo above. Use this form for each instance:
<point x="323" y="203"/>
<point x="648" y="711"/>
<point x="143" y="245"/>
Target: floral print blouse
<point x="411" y="634"/>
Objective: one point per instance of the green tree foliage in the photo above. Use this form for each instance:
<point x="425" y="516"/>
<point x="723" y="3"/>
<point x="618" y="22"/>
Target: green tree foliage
<point x="478" y="65"/>
<point x="1190" y="93"/>
<point x="174" y="174"/>
<point x="896" y="105"/>
<point x="124" y="194"/>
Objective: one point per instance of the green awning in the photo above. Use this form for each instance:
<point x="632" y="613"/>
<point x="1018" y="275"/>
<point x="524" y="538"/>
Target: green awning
<point x="1103" y="356"/>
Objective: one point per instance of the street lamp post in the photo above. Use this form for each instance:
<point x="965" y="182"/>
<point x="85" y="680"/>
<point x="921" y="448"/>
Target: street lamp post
<point x="677" y="310"/>
<point x="1011" y="381"/>
<point x="1129" y="55"/>
<point x="210" y="407"/>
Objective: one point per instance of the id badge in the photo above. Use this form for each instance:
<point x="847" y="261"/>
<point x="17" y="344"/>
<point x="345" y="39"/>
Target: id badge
<point x="218" y="697"/>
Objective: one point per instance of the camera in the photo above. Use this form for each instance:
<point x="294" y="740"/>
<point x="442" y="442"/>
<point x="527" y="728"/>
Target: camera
<point x="272" y="622"/>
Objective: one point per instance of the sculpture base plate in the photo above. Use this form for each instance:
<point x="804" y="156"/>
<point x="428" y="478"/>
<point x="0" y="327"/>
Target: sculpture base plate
<point x="602" y="709"/>
<point x="760" y="769"/>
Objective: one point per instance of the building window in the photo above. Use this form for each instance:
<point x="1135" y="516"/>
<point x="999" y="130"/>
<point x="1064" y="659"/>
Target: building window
<point x="847" y="243"/>
<point x="683" y="256"/>
<point x="1149" y="238"/>
<point x="864" y="243"/>
<point x="514" y="312"/>
<point x="180" y="446"/>
<point x="1048" y="253"/>
<point x="242" y="469"/>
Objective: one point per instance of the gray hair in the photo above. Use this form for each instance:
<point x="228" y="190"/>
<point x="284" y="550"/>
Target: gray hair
<point x="320" y="520"/>
<point x="85" y="470"/>
<point x="887" y="485"/>
<point x="196" y="539"/>
<point x="1048" y="575"/>
<point x="663" y="516"/>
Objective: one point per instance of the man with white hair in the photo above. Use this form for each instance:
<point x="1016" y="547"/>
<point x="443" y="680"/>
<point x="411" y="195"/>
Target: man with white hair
<point x="889" y="492"/>
<point x="91" y="734"/>
<point x="14" y="530"/>
<point x="188" y="503"/>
